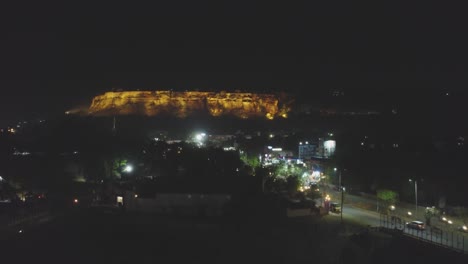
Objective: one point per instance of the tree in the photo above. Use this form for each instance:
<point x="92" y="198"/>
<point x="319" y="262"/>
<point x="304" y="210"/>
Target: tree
<point x="388" y="197"/>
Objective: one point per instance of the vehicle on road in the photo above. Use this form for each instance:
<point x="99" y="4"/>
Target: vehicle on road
<point x="416" y="225"/>
<point x="463" y="229"/>
<point x="335" y="207"/>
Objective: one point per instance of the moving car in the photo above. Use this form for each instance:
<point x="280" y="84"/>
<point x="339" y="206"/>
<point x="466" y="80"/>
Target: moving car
<point x="416" y="225"/>
<point x="335" y="207"/>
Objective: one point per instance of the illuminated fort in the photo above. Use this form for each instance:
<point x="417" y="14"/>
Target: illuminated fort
<point x="183" y="104"/>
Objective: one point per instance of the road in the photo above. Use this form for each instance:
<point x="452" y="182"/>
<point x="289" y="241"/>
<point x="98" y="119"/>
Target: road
<point x="370" y="218"/>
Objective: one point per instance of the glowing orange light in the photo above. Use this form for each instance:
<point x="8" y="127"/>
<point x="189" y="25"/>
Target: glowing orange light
<point x="183" y="104"/>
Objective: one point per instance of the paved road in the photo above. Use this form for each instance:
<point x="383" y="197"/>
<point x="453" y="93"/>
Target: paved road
<point x="370" y="218"/>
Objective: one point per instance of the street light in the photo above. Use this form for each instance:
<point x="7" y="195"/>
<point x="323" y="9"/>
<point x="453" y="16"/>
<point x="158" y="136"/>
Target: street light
<point x="415" y="194"/>
<point x="128" y="168"/>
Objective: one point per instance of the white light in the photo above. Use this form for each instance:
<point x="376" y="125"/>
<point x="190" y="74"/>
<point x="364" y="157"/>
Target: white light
<point x="409" y="213"/>
<point x="465" y="228"/>
<point x="300" y="143"/>
<point x="1" y="179"/>
<point x="270" y="147"/>
<point x="362" y="143"/>
<point x="449" y="222"/>
<point x="128" y="168"/>
<point x="444" y="219"/>
<point x="20" y="231"/>
<point x="75" y="201"/>
<point x="136" y="195"/>
<point x="334" y="169"/>
<point x="277" y="149"/>
<point x="392" y="207"/>
<point x="307" y="142"/>
<point x="199" y="137"/>
<point x="272" y="136"/>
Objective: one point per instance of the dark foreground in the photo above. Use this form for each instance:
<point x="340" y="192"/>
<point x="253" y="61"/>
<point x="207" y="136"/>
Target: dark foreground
<point x="98" y="237"/>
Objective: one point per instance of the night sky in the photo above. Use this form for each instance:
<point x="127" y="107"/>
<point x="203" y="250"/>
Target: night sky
<point x="54" y="58"/>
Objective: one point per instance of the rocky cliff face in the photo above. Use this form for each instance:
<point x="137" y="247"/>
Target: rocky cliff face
<point x="183" y="104"/>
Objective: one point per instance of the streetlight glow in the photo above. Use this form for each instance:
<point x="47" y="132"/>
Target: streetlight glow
<point x="128" y="168"/>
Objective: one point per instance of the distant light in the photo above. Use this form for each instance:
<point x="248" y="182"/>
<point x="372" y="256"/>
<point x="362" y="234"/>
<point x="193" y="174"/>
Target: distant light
<point x="465" y="228"/>
<point x="409" y="213"/>
<point x="362" y="143"/>
<point x="128" y="168"/>
<point x="277" y="149"/>
<point x="334" y="169"/>
<point x="75" y="201"/>
<point x="327" y="198"/>
<point x="444" y="219"/>
<point x="392" y="207"/>
<point x="449" y="222"/>
<point x="307" y="142"/>
<point x="136" y="195"/>
<point x="272" y="136"/>
<point x="300" y="143"/>
<point x="120" y="199"/>
<point x="1" y="178"/>
<point x="270" y="147"/>
<point x="20" y="231"/>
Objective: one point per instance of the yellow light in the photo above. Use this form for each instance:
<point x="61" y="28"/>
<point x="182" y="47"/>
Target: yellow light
<point x="327" y="198"/>
<point x="182" y="104"/>
<point x="465" y="228"/>
<point x="450" y="222"/>
<point x="409" y="213"/>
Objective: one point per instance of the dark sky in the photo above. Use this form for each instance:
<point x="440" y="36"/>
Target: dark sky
<point x="54" y="58"/>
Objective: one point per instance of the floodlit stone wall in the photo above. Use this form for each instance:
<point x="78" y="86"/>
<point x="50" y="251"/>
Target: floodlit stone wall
<point x="183" y="104"/>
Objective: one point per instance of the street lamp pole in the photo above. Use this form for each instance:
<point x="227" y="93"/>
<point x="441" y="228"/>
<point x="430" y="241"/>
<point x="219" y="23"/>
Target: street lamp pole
<point x="416" y="195"/>
<point x="342" y="196"/>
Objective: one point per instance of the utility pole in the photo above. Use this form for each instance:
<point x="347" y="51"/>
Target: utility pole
<point x="339" y="181"/>
<point x="342" y="198"/>
<point x="416" y="195"/>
